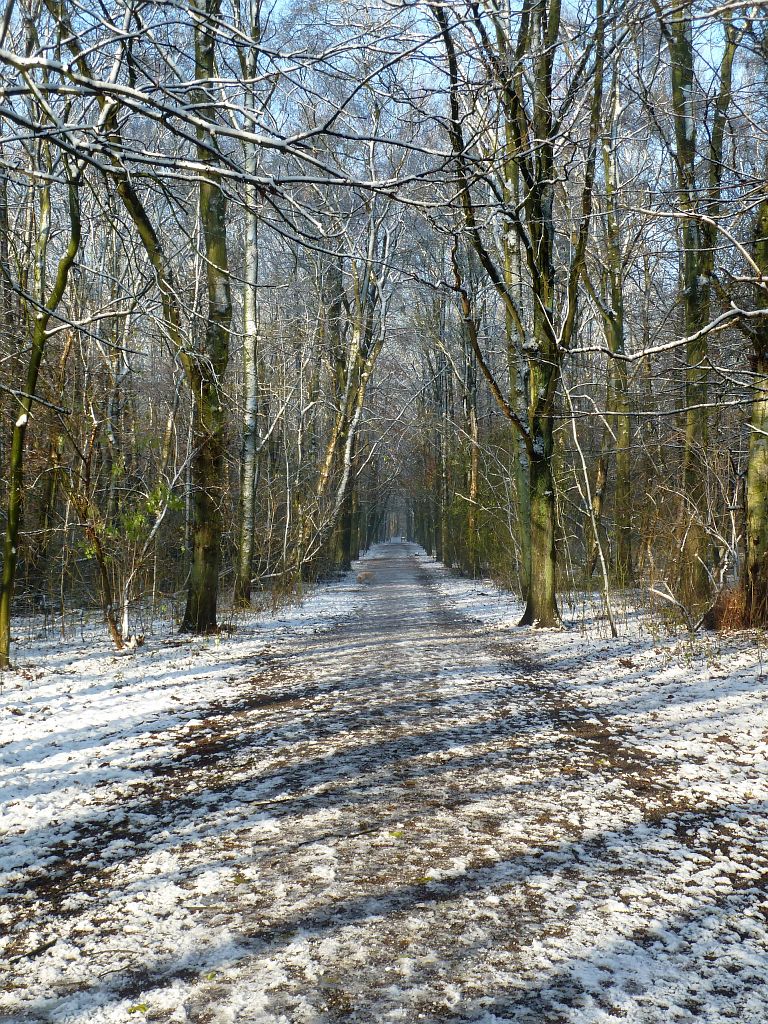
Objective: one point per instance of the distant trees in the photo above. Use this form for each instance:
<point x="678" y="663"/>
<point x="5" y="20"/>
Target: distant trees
<point x="40" y="300"/>
<point x="488" y="270"/>
<point x="699" y="177"/>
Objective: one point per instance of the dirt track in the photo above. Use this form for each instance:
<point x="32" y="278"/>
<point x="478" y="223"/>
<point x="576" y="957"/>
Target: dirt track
<point x="400" y="818"/>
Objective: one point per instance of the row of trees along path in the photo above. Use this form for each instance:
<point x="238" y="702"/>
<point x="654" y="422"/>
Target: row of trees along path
<point x="272" y="277"/>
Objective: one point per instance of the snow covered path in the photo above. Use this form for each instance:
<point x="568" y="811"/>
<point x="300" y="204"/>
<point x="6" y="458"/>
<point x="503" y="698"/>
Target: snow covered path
<point x="406" y="815"/>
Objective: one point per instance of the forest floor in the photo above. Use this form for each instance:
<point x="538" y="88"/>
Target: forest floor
<point x="387" y="805"/>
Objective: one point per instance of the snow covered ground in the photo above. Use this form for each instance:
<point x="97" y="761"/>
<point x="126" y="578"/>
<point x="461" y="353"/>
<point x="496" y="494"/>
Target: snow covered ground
<point x="386" y="805"/>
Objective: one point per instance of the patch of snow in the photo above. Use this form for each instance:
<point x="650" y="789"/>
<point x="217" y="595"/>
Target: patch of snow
<point x="386" y="804"/>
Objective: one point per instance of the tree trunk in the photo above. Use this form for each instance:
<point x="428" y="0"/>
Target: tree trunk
<point x="346" y="526"/>
<point x="541" y="606"/>
<point x="623" y="493"/>
<point x="40" y="320"/>
<point x="518" y="370"/>
<point x="541" y="601"/>
<point x="473" y="553"/>
<point x="446" y="541"/>
<point x="522" y="474"/>
<point x="618" y="405"/>
<point x="208" y="469"/>
<point x="756" y="564"/>
<point x="203" y="371"/>
<point x="695" y="290"/>
<point x="694" y="578"/>
<point x="249" y="448"/>
<point x="6" y="291"/>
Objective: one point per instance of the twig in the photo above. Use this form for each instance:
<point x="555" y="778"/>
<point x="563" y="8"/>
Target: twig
<point x="681" y="607"/>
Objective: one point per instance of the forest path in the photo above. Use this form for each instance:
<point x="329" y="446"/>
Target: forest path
<point x="397" y="818"/>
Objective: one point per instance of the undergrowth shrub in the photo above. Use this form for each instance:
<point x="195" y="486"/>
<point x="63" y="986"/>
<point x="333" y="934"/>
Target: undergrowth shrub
<point x="729" y="610"/>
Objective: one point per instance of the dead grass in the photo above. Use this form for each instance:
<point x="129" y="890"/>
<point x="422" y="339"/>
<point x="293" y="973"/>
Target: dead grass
<point x="729" y="612"/>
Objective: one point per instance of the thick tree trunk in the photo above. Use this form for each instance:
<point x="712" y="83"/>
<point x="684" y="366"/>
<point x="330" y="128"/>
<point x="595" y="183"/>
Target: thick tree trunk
<point x="207" y="474"/>
<point x="208" y="470"/>
<point x="204" y="371"/>
<point x="522" y="474"/>
<point x="6" y="291"/>
<point x="695" y="289"/>
<point x="436" y="541"/>
<point x="541" y="606"/>
<point x="249" y="449"/>
<point x="756" y="563"/>
<point x="518" y="371"/>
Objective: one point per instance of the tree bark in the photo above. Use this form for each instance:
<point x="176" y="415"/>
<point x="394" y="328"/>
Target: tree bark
<point x="541" y="601"/>
<point x="756" y="561"/>
<point x="618" y="406"/>
<point x="249" y="465"/>
<point x="208" y="471"/>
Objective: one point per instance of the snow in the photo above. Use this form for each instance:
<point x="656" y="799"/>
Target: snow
<point x="387" y="804"/>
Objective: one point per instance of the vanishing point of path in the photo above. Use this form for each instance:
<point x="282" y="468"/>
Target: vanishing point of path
<point x="399" y="818"/>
